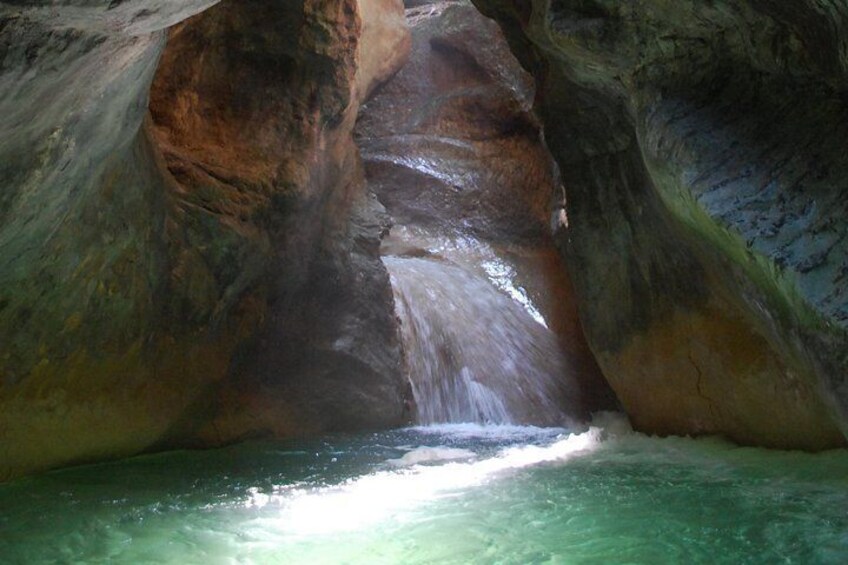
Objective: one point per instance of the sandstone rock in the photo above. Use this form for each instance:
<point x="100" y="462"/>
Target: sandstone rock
<point x="147" y="265"/>
<point x="700" y="149"/>
<point x="83" y="257"/>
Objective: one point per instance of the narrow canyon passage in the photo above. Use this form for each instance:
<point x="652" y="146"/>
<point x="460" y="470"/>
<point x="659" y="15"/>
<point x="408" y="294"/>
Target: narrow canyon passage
<point x="453" y="151"/>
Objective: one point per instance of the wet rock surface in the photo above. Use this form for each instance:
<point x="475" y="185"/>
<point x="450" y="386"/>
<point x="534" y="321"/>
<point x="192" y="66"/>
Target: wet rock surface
<point x="446" y="141"/>
<point x="454" y="152"/>
<point x="701" y="153"/>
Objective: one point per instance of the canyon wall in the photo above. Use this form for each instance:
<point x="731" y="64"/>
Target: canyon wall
<point x="189" y="253"/>
<point x="159" y="269"/>
<point x="701" y="148"/>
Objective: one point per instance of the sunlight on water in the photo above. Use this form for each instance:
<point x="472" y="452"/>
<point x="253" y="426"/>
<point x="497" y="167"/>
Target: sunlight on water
<point x="502" y="276"/>
<point x="469" y="494"/>
<point x="361" y="502"/>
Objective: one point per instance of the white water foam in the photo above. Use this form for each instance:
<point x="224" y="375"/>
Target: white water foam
<point x="425" y="454"/>
<point x="504" y="432"/>
<point x="391" y="495"/>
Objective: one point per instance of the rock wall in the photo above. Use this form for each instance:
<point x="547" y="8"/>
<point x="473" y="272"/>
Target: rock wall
<point x="210" y="270"/>
<point x="147" y="265"/>
<point x="255" y="103"/>
<point x="700" y="145"/>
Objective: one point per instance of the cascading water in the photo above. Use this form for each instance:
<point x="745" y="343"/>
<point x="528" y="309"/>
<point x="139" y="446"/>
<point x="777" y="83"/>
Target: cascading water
<point x="453" y="151"/>
<point x="475" y="355"/>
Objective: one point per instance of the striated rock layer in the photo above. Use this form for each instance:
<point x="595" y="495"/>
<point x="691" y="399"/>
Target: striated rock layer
<point x="701" y="150"/>
<point x="159" y="276"/>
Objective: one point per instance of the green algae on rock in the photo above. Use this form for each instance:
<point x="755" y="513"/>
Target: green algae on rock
<point x="700" y="150"/>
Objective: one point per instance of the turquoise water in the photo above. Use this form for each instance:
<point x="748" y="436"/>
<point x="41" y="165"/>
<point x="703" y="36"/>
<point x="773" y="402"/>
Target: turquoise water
<point x="474" y="495"/>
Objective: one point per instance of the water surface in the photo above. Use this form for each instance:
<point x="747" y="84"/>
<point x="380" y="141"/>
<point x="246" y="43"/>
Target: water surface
<point x="449" y="494"/>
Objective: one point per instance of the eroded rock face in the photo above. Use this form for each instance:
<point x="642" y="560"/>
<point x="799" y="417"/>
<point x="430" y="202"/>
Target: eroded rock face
<point x="269" y="146"/>
<point x="148" y="266"/>
<point x="453" y="150"/>
<point x="701" y="152"/>
<point x="83" y="256"/>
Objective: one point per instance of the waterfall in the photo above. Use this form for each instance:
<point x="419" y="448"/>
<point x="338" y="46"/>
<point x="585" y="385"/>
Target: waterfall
<point x="475" y="355"/>
<point x="452" y="150"/>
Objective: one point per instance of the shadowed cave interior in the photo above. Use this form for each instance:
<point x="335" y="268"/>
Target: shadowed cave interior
<point x="423" y="281"/>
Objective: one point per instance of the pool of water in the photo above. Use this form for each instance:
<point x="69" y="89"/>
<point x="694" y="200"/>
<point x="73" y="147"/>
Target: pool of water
<point x="448" y="494"/>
